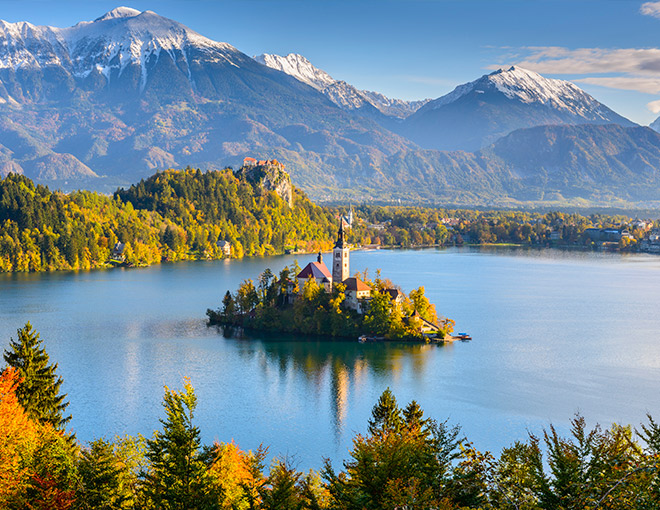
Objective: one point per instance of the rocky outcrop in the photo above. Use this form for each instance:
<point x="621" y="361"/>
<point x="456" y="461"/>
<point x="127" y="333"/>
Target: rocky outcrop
<point x="269" y="176"/>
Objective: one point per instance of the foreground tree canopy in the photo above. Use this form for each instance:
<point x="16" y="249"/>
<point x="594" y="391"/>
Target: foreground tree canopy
<point x="404" y="459"/>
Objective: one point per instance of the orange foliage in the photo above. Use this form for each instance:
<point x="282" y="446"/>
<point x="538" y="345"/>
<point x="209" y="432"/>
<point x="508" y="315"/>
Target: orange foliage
<point x="233" y="471"/>
<point x="21" y="440"/>
<point x="18" y="436"/>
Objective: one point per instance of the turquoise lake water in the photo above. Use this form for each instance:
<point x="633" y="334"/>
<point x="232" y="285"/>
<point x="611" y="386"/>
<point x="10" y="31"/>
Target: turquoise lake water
<point x="555" y="333"/>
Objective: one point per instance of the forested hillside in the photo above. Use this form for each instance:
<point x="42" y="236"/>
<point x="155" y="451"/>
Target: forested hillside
<point x="175" y="215"/>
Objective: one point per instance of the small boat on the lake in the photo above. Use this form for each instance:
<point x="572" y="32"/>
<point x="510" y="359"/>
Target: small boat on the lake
<point x="463" y="336"/>
<point x="365" y="338"/>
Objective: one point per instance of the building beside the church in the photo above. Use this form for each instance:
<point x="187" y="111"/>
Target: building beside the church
<point x="358" y="294"/>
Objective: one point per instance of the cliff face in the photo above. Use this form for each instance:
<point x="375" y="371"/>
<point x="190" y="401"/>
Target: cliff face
<point x="270" y="177"/>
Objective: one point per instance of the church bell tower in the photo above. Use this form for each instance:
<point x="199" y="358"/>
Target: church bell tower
<point x="340" y="264"/>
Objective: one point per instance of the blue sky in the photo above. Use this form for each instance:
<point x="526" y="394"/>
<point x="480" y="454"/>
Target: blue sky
<point x="423" y="48"/>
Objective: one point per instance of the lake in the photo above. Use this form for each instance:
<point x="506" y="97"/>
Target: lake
<point x="554" y="333"/>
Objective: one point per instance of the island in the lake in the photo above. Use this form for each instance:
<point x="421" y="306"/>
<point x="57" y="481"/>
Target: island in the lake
<point x="315" y="301"/>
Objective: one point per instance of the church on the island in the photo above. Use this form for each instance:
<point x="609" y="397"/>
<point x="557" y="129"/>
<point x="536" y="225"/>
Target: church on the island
<point x="357" y="292"/>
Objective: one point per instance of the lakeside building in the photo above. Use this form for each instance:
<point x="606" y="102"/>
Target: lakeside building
<point x="607" y="235"/>
<point x="225" y="246"/>
<point x="118" y="251"/>
<point x="651" y="243"/>
<point x="425" y="327"/>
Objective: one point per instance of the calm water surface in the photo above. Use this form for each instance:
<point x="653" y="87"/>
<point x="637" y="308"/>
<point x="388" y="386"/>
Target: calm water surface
<point x="554" y="333"/>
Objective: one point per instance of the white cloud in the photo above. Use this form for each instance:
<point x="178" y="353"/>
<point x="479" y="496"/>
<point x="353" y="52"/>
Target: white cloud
<point x="638" y="83"/>
<point x="650" y="9"/>
<point x="654" y="106"/>
<point x="558" y="60"/>
<point x="626" y="68"/>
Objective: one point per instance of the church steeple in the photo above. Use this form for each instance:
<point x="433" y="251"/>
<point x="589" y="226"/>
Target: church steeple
<point x="340" y="235"/>
<point x="340" y="262"/>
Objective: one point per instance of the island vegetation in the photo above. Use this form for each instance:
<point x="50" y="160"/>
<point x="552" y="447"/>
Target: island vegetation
<point x="285" y="303"/>
<point x="402" y="459"/>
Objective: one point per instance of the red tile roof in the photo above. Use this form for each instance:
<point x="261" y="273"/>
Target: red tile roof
<point x="315" y="270"/>
<point x="355" y="284"/>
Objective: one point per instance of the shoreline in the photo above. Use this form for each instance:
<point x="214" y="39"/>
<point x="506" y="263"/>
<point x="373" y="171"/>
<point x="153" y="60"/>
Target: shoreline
<point x="112" y="266"/>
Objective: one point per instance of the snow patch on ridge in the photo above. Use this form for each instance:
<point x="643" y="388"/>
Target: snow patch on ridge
<point x="455" y="94"/>
<point x="344" y="95"/>
<point x="299" y="67"/>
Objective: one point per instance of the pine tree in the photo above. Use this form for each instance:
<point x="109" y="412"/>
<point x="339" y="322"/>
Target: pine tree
<point x="386" y="415"/>
<point x="178" y="478"/>
<point x="100" y="472"/>
<point x="39" y="390"/>
<point x="284" y="491"/>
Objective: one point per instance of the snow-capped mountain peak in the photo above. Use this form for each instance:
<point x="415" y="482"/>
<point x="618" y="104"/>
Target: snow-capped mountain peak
<point x="477" y="113"/>
<point x="119" y="12"/>
<point x="339" y="92"/>
<point x="528" y="87"/>
<point x="108" y="45"/>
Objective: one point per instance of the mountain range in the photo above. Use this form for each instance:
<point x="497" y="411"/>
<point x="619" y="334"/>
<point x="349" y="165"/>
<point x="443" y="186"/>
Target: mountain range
<point x="109" y="101"/>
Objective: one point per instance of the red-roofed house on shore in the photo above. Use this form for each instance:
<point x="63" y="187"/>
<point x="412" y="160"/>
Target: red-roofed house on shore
<point x="318" y="271"/>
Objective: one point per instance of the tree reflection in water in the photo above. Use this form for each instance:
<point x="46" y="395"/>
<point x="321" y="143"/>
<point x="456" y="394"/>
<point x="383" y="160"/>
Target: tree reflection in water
<point x="346" y="365"/>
